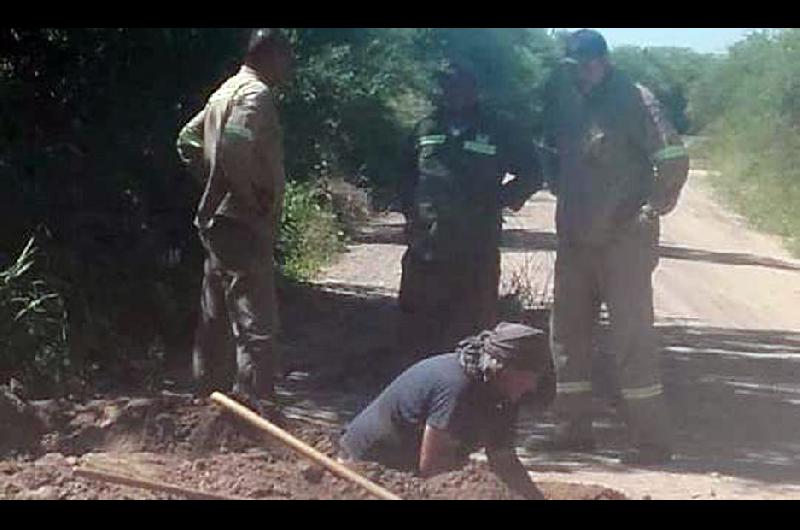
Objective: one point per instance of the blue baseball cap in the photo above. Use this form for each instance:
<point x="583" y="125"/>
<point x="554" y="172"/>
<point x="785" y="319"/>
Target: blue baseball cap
<point x="585" y="45"/>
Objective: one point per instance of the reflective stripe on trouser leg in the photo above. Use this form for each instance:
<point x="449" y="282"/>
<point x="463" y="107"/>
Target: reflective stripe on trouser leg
<point x="645" y="392"/>
<point x="574" y="388"/>
<point x="572" y="324"/>
<point x="626" y="283"/>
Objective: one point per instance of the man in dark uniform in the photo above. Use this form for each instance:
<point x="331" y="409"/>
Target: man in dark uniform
<point x="453" y="195"/>
<point x="617" y="165"/>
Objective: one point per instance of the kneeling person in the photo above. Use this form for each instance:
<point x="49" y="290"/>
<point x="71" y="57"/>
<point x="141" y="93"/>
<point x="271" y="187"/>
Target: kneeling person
<point x="434" y="414"/>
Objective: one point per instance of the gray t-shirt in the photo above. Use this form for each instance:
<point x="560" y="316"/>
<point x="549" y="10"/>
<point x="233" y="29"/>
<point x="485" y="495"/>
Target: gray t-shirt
<point x="436" y="392"/>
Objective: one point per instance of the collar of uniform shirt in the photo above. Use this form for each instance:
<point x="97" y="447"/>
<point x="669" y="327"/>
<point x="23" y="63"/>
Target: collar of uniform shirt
<point x="252" y="71"/>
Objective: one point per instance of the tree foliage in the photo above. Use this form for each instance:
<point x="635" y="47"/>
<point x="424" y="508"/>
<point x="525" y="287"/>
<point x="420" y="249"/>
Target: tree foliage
<point x="670" y="73"/>
<point x="751" y="102"/>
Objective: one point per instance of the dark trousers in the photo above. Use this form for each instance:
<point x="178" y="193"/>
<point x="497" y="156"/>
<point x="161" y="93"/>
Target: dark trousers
<point x="238" y="311"/>
<point x="444" y="301"/>
<point x="619" y="274"/>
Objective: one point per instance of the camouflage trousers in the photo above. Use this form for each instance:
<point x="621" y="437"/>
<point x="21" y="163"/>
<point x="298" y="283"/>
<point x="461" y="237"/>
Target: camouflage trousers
<point x="443" y="302"/>
<point x="619" y="274"/>
<point x="238" y="311"/>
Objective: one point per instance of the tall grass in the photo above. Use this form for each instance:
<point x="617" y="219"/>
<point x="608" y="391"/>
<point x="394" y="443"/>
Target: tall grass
<point x="33" y="324"/>
<point x="754" y="140"/>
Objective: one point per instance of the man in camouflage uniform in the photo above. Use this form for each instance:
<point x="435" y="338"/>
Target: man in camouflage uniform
<point x="616" y="166"/>
<point x="453" y="195"/>
<point x="235" y="146"/>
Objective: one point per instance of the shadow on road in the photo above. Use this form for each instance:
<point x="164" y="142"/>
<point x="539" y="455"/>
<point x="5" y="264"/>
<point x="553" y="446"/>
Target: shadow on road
<point x="381" y="234"/>
<point x="725" y="258"/>
<point x="341" y="345"/>
<point x="523" y="240"/>
<point x="735" y="400"/>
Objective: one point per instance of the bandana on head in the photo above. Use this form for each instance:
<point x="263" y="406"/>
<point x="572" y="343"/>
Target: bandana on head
<point x="509" y="346"/>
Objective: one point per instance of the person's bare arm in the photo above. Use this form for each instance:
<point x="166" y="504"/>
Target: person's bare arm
<point x="437" y="452"/>
<point x="506" y="465"/>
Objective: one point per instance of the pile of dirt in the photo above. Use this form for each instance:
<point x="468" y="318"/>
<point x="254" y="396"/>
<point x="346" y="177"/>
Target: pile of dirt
<point x="188" y="442"/>
<point x="51" y="478"/>
<point x="164" y="424"/>
<point x="257" y="475"/>
<point x="475" y="481"/>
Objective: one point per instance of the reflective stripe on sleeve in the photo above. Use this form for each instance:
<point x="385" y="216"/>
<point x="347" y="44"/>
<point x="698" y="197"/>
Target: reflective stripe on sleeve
<point x="670" y="152"/>
<point x="645" y="392"/>
<point x="432" y="139"/>
<point x="481" y="148"/>
<point x="241" y="132"/>
<point x="191" y="138"/>
<point x="578" y="387"/>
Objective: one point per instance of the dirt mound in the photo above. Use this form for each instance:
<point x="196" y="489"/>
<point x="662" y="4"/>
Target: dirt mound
<point x="191" y="443"/>
<point x="164" y="424"/>
<point x="475" y="481"/>
<point x="257" y="475"/>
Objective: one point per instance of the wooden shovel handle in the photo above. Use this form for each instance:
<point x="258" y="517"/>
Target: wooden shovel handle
<point x="97" y="474"/>
<point x="301" y="447"/>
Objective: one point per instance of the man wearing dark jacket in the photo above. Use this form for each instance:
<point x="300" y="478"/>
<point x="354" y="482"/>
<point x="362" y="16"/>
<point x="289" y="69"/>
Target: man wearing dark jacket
<point x="616" y="165"/>
<point x="453" y="194"/>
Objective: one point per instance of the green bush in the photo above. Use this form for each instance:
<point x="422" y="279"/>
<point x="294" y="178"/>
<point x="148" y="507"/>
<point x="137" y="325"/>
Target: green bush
<point x="310" y="234"/>
<point x="670" y="73"/>
<point x="754" y="139"/>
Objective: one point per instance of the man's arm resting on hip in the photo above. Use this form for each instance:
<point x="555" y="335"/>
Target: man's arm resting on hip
<point x="671" y="176"/>
<point x="667" y="152"/>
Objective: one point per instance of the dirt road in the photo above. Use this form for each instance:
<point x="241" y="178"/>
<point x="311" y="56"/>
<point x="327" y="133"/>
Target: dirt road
<point x="726" y="304"/>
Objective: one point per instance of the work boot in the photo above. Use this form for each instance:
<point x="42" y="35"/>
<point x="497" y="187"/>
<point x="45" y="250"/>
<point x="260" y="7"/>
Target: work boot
<point x="647" y="456"/>
<point x="268" y="409"/>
